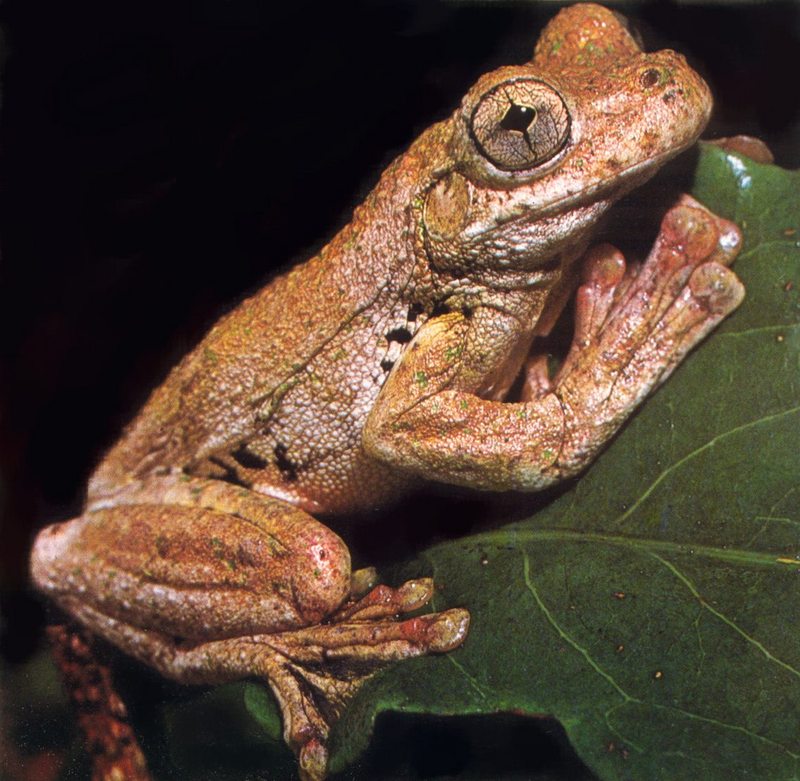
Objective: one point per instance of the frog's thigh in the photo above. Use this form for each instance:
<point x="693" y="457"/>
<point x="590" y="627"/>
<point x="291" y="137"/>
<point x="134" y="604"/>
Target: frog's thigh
<point x="208" y="583"/>
<point x="195" y="572"/>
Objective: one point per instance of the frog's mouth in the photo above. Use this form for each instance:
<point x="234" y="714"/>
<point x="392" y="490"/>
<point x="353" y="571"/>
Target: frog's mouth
<point x="530" y="242"/>
<point x="600" y="195"/>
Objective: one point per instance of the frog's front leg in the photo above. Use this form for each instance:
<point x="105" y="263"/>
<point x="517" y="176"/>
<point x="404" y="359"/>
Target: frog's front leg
<point x="632" y="329"/>
<point x="208" y="582"/>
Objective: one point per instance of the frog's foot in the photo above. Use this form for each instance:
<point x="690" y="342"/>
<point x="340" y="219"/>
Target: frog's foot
<point x="313" y="672"/>
<point x="634" y="326"/>
<point x="362" y="581"/>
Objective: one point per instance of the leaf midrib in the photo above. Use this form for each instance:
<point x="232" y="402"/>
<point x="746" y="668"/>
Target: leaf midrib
<point x="511" y="537"/>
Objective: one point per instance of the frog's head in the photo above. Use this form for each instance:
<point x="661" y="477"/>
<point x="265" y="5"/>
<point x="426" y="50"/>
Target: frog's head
<point x="538" y="152"/>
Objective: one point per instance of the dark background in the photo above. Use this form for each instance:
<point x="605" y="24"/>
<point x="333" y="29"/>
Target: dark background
<point x="162" y="159"/>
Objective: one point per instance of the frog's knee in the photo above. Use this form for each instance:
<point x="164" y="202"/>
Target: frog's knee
<point x="143" y="564"/>
<point x="50" y="549"/>
<point x="321" y="571"/>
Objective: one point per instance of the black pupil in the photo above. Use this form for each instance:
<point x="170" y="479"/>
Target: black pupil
<point x="518" y="118"/>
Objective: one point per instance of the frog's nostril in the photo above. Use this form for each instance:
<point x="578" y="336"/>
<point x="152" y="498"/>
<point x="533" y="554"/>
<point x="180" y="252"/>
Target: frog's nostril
<point x="649" y="78"/>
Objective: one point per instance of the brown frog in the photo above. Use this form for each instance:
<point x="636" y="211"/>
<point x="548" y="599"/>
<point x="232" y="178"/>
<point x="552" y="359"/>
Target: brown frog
<point x="386" y="361"/>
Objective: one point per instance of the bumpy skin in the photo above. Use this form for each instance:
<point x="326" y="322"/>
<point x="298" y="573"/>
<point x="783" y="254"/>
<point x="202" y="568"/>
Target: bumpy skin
<point x="386" y="360"/>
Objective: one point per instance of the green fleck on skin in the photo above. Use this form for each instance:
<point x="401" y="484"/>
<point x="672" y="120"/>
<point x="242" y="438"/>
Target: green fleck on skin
<point x="216" y="545"/>
<point x="421" y="379"/>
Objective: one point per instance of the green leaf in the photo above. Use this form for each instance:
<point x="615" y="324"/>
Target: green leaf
<point x="653" y="608"/>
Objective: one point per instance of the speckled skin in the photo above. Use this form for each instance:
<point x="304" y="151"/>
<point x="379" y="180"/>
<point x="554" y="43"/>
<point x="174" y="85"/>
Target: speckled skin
<point x="318" y="344"/>
<point x="275" y="397"/>
<point x="385" y="361"/>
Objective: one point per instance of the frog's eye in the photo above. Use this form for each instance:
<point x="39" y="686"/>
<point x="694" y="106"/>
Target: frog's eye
<point x="520" y="124"/>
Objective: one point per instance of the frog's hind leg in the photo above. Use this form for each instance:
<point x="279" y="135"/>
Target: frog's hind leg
<point x="209" y="582"/>
<point x="313" y="672"/>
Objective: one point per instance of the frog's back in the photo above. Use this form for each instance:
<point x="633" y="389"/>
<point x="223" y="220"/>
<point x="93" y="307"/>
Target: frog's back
<point x="275" y="395"/>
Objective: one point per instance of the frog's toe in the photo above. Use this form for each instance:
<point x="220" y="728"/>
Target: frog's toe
<point x="717" y="287"/>
<point x="360" y="643"/>
<point x="603" y="277"/>
<point x="634" y="328"/>
<point x="313" y="760"/>
<point x="315" y="672"/>
<point x="448" y="630"/>
<point x="362" y="581"/>
<point x="700" y="234"/>
<point x="712" y="292"/>
<point x="385" y="601"/>
<point x="690" y="236"/>
<point x="750" y="146"/>
<point x="683" y="289"/>
<point x="536" y="382"/>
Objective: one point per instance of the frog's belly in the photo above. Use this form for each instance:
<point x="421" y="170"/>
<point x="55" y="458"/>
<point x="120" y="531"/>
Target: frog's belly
<point x="308" y="452"/>
<point x="348" y="482"/>
<point x="319" y="465"/>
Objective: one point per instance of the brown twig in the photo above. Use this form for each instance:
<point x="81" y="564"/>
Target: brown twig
<point x="102" y="715"/>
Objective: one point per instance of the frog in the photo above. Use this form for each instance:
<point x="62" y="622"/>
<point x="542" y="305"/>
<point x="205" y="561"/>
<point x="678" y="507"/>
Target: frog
<point x="403" y="354"/>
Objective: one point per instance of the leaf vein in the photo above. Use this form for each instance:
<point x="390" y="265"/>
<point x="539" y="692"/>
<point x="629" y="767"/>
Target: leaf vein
<point x="725" y="725"/>
<point x="565" y="636"/>
<point x="470" y="679"/>
<point x="785" y="243"/>
<point x="697" y="451"/>
<point x="511" y="537"/>
<point x="767" y="329"/>
<point x="722" y="617"/>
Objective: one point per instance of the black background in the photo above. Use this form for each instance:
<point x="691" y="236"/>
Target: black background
<point x="161" y="159"/>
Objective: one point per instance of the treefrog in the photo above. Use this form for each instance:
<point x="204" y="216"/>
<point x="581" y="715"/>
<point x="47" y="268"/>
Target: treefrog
<point x="389" y="359"/>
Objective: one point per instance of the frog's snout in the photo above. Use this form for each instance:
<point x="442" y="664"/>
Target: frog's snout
<point x="668" y="71"/>
<point x="671" y="87"/>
